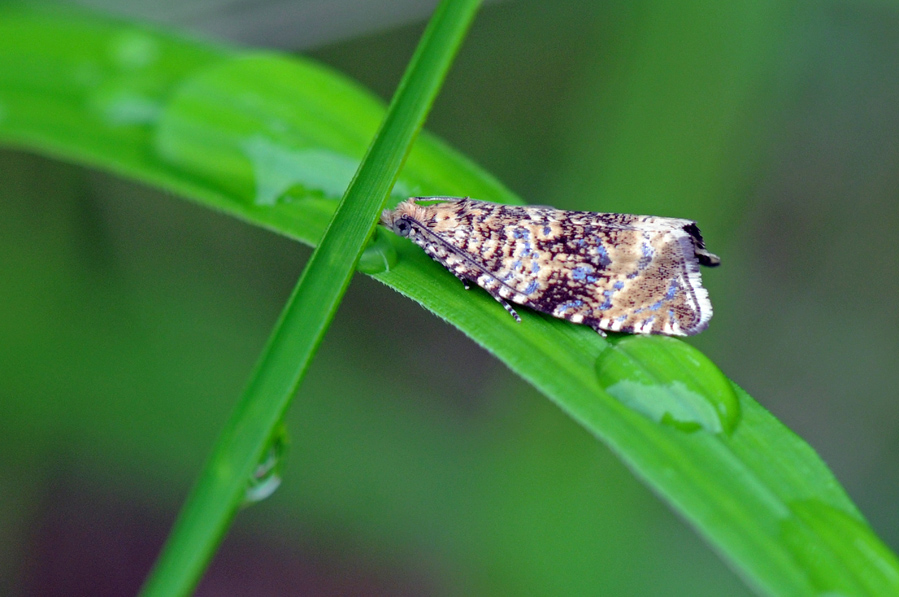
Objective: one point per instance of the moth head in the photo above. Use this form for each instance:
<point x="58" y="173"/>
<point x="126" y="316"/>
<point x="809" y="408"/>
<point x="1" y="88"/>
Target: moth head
<point x="402" y="226"/>
<point x="400" y="219"/>
<point x="397" y="221"/>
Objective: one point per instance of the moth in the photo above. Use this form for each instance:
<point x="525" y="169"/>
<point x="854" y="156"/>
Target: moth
<point x="612" y="272"/>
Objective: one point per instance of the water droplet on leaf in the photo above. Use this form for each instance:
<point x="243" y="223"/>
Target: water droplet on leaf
<point x="133" y="50"/>
<point x="379" y="256"/>
<point x="277" y="142"/>
<point x="266" y="477"/>
<point x="670" y="382"/>
<point x="122" y="106"/>
<point x="278" y="169"/>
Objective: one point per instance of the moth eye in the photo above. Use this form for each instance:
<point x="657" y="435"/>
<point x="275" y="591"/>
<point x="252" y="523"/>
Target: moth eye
<point x="403" y="227"/>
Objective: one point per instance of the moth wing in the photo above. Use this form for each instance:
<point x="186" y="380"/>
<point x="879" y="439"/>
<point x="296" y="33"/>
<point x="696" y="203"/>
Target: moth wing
<point x="662" y="293"/>
<point x="618" y="276"/>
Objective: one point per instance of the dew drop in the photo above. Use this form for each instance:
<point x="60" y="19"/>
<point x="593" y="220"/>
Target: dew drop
<point x="278" y="169"/>
<point x="266" y="477"/>
<point x="379" y="256"/>
<point x="670" y="382"/>
<point x="120" y="106"/>
<point x="275" y="142"/>
<point x="283" y="173"/>
<point x="132" y="50"/>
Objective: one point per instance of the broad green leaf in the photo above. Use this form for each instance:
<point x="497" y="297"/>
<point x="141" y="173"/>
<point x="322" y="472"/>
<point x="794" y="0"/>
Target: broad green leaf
<point x="273" y="140"/>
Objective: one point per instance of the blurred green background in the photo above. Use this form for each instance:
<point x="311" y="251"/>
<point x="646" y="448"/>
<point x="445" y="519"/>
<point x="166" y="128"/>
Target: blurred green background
<point x="130" y="319"/>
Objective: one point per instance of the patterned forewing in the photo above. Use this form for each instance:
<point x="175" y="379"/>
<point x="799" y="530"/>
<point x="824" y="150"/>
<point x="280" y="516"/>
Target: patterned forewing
<point x="611" y="271"/>
<point x="614" y="272"/>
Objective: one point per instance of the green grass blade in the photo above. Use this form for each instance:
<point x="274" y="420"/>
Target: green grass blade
<point x="268" y="140"/>
<point x="304" y="320"/>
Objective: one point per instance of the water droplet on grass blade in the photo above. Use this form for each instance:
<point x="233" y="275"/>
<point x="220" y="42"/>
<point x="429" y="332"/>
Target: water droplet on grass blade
<point x="379" y="256"/>
<point x="283" y="173"/>
<point x="670" y="382"/>
<point x="122" y="106"/>
<point x="279" y="169"/>
<point x="266" y="477"/>
<point x="276" y="141"/>
<point x="133" y="50"/>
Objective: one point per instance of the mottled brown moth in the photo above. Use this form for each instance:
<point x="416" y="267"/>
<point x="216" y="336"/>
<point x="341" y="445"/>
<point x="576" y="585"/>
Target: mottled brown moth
<point x="613" y="272"/>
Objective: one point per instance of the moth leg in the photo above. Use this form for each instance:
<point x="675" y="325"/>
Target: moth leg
<point x="490" y="284"/>
<point x="600" y="331"/>
<point x="506" y="306"/>
<point x="465" y="283"/>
